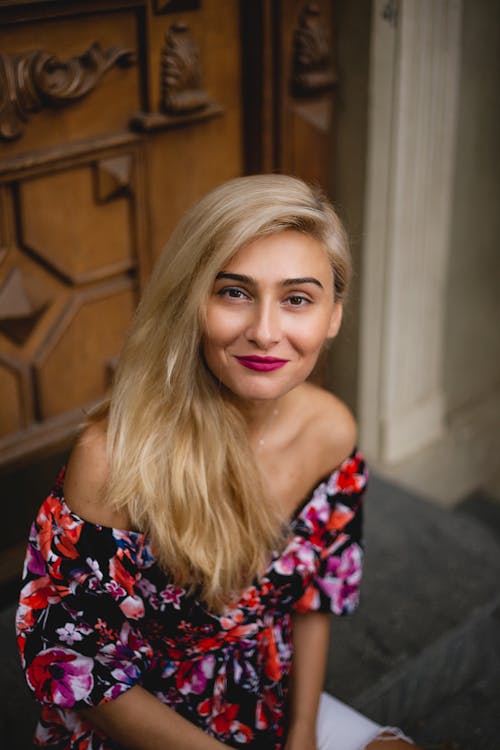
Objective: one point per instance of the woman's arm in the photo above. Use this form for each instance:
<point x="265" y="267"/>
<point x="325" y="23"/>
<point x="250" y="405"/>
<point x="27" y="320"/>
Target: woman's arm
<point x="137" y="720"/>
<point x="311" y="632"/>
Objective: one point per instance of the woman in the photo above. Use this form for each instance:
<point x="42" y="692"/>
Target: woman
<point x="209" y="517"/>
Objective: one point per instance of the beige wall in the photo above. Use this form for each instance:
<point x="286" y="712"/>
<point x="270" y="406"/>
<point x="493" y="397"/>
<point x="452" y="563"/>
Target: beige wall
<point x="461" y="456"/>
<point x="472" y="324"/>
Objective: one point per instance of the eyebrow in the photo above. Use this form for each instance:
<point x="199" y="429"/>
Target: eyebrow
<point x="286" y="282"/>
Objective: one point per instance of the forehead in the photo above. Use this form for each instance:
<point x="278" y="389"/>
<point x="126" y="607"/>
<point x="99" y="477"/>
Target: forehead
<point x="284" y="254"/>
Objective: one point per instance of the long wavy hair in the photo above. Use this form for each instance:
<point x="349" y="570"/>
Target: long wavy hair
<point x="180" y="461"/>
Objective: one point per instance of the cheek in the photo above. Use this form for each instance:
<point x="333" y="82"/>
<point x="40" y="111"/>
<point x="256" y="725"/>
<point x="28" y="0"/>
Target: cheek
<point x="218" y="330"/>
<point x="311" y="335"/>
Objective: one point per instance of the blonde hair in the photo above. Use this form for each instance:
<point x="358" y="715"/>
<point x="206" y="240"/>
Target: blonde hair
<point x="180" y="461"/>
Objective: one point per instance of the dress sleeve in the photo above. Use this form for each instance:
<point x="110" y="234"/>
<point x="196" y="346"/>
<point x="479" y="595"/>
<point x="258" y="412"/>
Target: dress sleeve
<point x="78" y="619"/>
<point x="332" y="523"/>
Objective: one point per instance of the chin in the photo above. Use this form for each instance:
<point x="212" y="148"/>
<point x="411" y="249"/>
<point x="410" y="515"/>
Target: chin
<point x="264" y="391"/>
<point x="249" y="386"/>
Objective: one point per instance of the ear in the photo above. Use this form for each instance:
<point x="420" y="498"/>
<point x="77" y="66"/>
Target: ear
<point x="335" y="320"/>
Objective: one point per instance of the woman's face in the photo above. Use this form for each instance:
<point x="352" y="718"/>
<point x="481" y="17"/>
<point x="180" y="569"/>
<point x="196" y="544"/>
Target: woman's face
<point x="269" y="313"/>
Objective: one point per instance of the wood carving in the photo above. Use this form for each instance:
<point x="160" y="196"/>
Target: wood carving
<point x="37" y="79"/>
<point x="113" y="177"/>
<point x="312" y="60"/>
<point x="181" y="89"/>
<point x="152" y="122"/>
<point x="22" y="301"/>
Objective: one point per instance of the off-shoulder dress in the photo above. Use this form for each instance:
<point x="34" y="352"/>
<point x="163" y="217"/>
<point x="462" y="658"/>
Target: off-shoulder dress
<point x="98" y="616"/>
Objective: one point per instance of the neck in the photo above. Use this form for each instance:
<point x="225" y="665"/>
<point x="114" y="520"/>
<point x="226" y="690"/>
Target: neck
<point x="259" y="416"/>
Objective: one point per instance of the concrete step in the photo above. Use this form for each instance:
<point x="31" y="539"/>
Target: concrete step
<point x="428" y="619"/>
<point x="469" y="719"/>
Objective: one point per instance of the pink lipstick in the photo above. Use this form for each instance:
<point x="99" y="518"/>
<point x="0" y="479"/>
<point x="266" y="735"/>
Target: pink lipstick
<point x="261" y="364"/>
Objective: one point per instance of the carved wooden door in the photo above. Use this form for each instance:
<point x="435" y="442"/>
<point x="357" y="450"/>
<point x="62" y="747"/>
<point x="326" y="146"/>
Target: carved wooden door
<point x="114" y="117"/>
<point x="90" y="94"/>
<point x="289" y="83"/>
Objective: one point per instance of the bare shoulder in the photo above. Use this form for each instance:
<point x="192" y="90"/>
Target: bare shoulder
<point x="86" y="477"/>
<point x="330" y="426"/>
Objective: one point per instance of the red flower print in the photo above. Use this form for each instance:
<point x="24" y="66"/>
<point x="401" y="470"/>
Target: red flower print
<point x="250" y="599"/>
<point x="222" y="719"/>
<point x="268" y="711"/>
<point x="309" y="601"/>
<point x="58" y="530"/>
<point x="348" y="478"/>
<point x="61" y="676"/>
<point x="339" y="518"/>
<point x="121" y="576"/>
<point x="38" y="593"/>
<point x="272" y="663"/>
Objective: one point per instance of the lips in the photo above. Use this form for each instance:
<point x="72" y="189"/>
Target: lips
<point x="261" y="364"/>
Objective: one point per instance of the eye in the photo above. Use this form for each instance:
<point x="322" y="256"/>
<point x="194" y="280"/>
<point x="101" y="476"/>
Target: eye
<point x="298" y="300"/>
<point x="232" y="292"/>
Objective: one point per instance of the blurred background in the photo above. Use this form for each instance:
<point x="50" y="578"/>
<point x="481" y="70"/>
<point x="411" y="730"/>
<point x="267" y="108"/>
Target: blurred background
<point x="115" y="116"/>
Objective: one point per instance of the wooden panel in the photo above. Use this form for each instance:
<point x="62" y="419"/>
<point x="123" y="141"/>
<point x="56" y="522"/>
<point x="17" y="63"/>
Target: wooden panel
<point x="60" y="211"/>
<point x="310" y="126"/>
<point x="11" y="413"/>
<point x="107" y="107"/>
<point x="75" y="220"/>
<point x="305" y="111"/>
<point x="173" y="155"/>
<point x="187" y="162"/>
<point x="289" y="63"/>
<point x="21" y="333"/>
<point x="77" y="357"/>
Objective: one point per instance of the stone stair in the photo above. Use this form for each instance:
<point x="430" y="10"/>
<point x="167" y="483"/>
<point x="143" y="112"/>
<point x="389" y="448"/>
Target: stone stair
<point x="426" y="637"/>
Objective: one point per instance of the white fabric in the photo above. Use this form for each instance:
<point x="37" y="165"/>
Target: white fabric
<point x="340" y="727"/>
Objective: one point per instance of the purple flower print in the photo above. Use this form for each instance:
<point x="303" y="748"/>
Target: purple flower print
<point x="61" y="676"/>
<point x="240" y="663"/>
<point x="318" y="508"/>
<point x="70" y="633"/>
<point x="298" y="557"/>
<point x="192" y="677"/>
<point x="122" y="655"/>
<point x="115" y="589"/>
<point x="93" y="584"/>
<point x="121" y="661"/>
<point x="146" y="587"/>
<point x="94" y="567"/>
<point x="34" y="562"/>
<point x="172" y="595"/>
<point x="341" y="579"/>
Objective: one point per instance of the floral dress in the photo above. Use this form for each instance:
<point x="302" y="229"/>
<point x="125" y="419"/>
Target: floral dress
<point x="98" y="616"/>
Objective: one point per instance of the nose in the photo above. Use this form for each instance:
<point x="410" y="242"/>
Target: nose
<point x="264" y="328"/>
